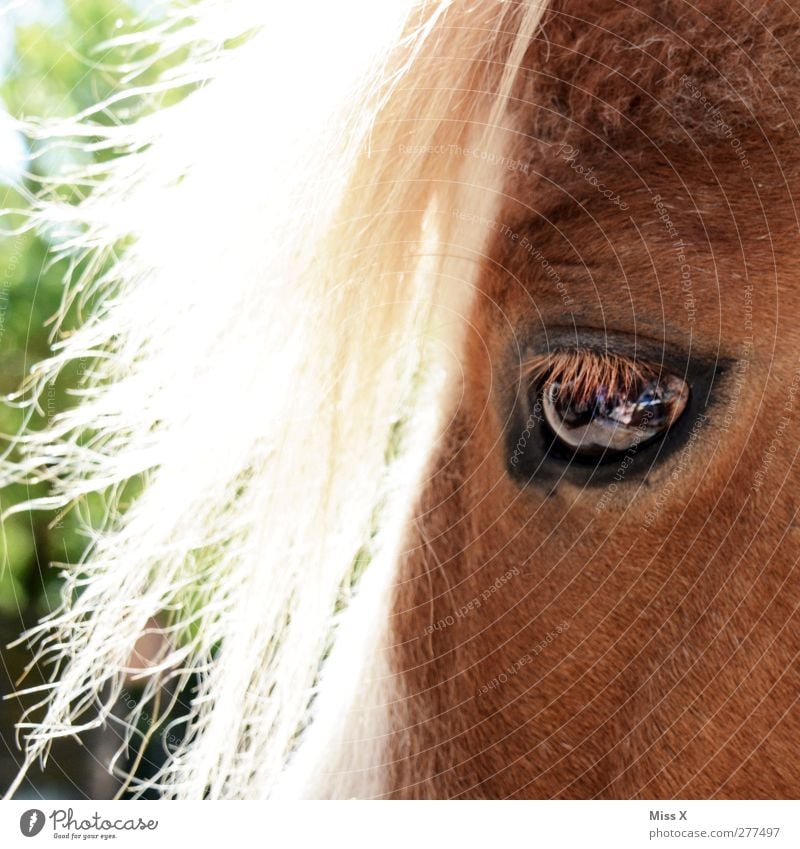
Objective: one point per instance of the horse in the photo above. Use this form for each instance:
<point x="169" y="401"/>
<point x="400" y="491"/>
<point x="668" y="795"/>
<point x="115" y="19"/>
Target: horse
<point x="469" y="432"/>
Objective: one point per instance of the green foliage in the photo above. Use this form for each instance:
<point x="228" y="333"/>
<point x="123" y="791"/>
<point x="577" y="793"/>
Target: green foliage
<point x="61" y="65"/>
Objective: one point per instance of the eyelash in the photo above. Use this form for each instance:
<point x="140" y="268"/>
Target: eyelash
<point x="592" y="408"/>
<point x="586" y="368"/>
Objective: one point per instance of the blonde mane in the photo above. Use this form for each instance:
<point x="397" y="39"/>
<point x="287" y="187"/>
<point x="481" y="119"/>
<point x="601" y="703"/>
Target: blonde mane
<point x="291" y="297"/>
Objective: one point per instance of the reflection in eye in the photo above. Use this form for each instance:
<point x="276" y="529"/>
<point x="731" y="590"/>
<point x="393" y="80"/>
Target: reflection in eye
<point x="596" y="403"/>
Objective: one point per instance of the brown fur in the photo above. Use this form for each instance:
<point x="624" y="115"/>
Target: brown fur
<point x="677" y="673"/>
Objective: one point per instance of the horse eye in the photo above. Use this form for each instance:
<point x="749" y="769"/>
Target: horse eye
<point x="609" y="419"/>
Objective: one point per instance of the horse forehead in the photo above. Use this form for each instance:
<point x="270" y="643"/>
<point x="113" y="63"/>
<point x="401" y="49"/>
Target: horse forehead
<point x="685" y="262"/>
<point x="630" y="118"/>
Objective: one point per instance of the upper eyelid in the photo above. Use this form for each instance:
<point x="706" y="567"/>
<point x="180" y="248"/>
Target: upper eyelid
<point x="666" y="354"/>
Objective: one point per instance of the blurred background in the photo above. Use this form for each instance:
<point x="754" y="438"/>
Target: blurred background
<point x="57" y="58"/>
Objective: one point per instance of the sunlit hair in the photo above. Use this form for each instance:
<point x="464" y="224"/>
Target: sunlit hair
<point x="269" y="352"/>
